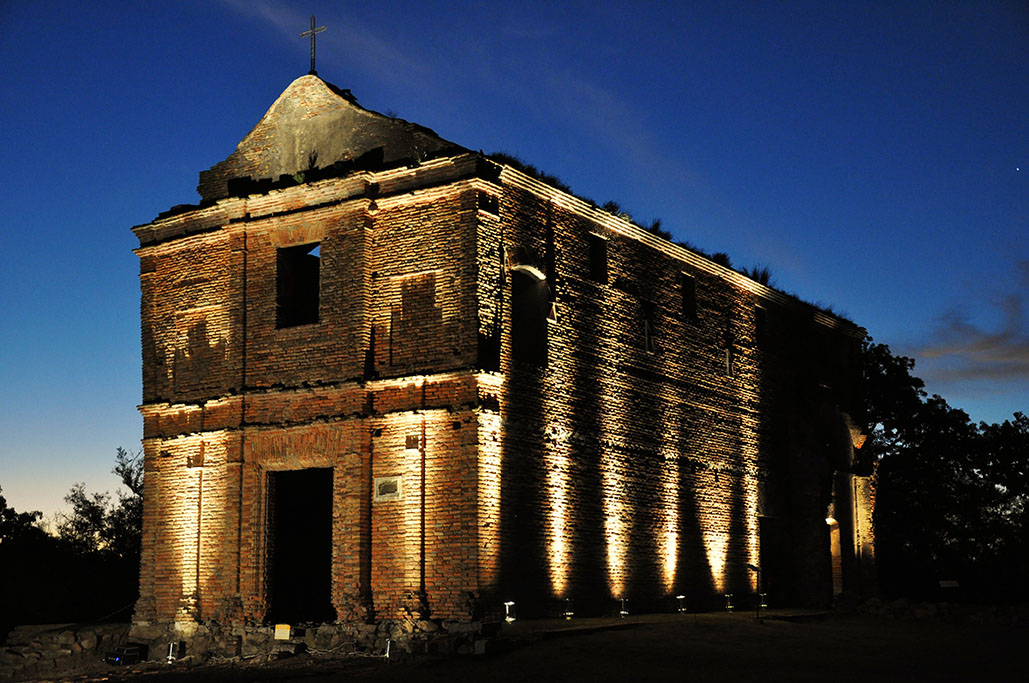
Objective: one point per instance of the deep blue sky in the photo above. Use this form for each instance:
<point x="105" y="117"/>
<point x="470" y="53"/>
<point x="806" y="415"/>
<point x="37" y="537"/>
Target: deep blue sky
<point x="874" y="155"/>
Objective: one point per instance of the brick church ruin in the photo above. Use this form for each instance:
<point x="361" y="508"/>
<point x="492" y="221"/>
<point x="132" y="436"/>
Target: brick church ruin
<point x="389" y="380"/>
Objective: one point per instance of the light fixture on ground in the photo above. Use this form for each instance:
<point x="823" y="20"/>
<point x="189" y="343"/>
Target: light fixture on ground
<point x="624" y="611"/>
<point x="728" y="602"/>
<point x="509" y="611"/>
<point x="569" y="609"/>
<point x="682" y="603"/>
<point x="759" y="597"/>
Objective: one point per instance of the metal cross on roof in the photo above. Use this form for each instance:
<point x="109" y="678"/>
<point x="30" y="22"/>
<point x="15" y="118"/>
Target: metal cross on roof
<point x="313" y="32"/>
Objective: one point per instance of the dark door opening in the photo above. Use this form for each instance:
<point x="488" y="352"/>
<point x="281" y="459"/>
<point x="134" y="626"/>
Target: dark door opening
<point x="300" y="546"/>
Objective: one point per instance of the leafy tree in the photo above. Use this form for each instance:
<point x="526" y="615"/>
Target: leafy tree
<point x="95" y="524"/>
<point x="1007" y="452"/>
<point x="89" y="571"/>
<point x="26" y="551"/>
<point x="19" y="527"/>
<point x="950" y="495"/>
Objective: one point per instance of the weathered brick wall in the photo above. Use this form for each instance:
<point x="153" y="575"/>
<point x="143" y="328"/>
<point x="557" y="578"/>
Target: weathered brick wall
<point x="190" y="524"/>
<point x="307" y="396"/>
<point x="422" y="289"/>
<point x="423" y="543"/>
<point x="623" y="459"/>
<point x="190" y="318"/>
<point x="639" y="468"/>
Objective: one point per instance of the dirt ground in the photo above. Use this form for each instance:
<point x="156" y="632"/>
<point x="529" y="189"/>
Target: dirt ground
<point x="703" y="647"/>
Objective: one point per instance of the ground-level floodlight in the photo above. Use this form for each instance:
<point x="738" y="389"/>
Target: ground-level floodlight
<point x="624" y="611"/>
<point x="569" y="610"/>
<point x="682" y="602"/>
<point x="173" y="653"/>
<point x="728" y="603"/>
<point x="758" y="595"/>
<point x="509" y="611"/>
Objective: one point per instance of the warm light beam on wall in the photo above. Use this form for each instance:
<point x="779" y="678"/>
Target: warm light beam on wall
<point x="668" y="539"/>
<point x="557" y="522"/>
<point x="614" y="531"/>
<point x="490" y="435"/>
<point x="670" y="542"/>
<point x="749" y="483"/>
<point x="716" y="544"/>
<point x="617" y="506"/>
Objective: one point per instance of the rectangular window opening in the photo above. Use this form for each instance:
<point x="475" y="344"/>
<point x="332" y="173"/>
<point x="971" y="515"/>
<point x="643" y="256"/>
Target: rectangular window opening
<point x="488" y="203"/>
<point x="760" y="325"/>
<point x="648" y="335"/>
<point x="297" y="284"/>
<point x="689" y="296"/>
<point x="598" y="258"/>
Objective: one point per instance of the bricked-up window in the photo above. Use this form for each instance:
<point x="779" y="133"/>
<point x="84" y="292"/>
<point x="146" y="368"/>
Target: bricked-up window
<point x="296" y="285"/>
<point x="689" y="296"/>
<point x="598" y="258"/>
<point x="416" y="324"/>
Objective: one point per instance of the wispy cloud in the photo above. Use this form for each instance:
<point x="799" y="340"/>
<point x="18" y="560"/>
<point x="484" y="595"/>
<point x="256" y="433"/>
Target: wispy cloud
<point x="963" y="350"/>
<point x="609" y="117"/>
<point x="283" y="18"/>
<point x="522" y="71"/>
<point x="351" y="44"/>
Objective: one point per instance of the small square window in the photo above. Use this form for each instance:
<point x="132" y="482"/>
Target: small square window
<point x="488" y="203"/>
<point x="413" y="442"/>
<point x="386" y="489"/>
<point x="598" y="258"/>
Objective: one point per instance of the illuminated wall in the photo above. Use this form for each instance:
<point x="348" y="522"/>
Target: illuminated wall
<point x="381" y="385"/>
<point x="637" y="457"/>
<point x="627" y="444"/>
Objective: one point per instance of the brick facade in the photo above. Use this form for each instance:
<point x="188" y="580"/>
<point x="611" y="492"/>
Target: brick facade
<point x="542" y="431"/>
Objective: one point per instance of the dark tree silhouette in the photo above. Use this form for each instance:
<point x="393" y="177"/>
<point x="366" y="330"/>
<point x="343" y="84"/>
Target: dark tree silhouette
<point x="88" y="571"/>
<point x="950" y="495"/>
<point x="95" y="525"/>
<point x="19" y="527"/>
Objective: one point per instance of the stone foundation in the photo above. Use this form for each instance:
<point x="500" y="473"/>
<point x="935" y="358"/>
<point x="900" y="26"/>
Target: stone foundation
<point x="201" y="642"/>
<point x="46" y="650"/>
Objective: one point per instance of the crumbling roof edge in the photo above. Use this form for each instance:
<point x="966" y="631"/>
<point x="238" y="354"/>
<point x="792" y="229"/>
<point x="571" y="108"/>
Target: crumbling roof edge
<point x="630" y="229"/>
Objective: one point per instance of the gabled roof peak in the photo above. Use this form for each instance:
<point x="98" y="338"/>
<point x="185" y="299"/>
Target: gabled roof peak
<point x="314" y="124"/>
